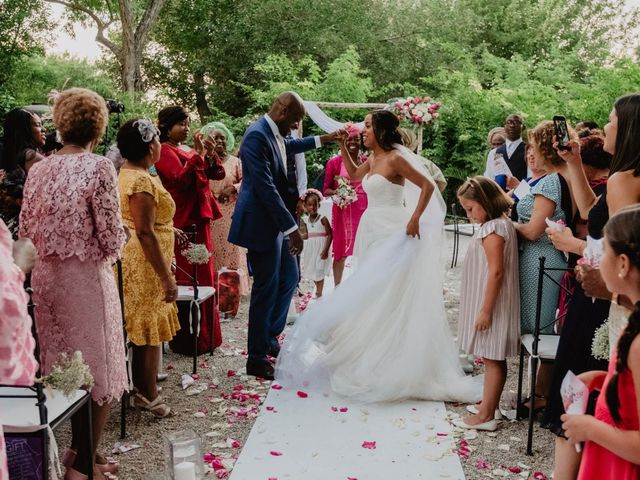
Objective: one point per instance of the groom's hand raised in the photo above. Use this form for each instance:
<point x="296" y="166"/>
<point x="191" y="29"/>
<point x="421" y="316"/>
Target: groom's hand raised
<point x="295" y="242"/>
<point x="333" y="136"/>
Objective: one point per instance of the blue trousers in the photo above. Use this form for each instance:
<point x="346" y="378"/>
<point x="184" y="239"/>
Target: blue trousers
<point x="275" y="277"/>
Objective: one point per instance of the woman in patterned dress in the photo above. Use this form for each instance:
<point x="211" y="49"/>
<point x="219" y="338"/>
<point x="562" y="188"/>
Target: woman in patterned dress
<point x="71" y="213"/>
<point x="227" y="255"/>
<point x="150" y="289"/>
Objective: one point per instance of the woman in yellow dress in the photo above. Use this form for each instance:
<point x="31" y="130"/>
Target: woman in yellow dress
<point x="150" y="289"/>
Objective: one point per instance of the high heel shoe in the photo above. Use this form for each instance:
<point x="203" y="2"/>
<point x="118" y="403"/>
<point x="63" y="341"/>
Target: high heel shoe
<point x="157" y="407"/>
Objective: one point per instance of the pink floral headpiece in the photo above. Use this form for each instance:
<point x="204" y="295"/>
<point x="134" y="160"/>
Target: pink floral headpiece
<point x="352" y="129"/>
<point x="313" y="191"/>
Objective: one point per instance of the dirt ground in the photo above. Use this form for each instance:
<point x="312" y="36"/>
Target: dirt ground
<point x="223" y="403"/>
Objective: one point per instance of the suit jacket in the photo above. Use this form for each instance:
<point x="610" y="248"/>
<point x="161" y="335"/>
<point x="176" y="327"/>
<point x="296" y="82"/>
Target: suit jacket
<point x="516" y="163"/>
<point x="261" y="214"/>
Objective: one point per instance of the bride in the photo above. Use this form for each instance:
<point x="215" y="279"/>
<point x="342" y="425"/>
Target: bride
<point x="382" y="335"/>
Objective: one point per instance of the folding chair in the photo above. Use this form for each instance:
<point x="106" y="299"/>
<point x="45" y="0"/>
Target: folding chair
<point x="538" y="346"/>
<point x="456" y="235"/>
<point x="29" y="413"/>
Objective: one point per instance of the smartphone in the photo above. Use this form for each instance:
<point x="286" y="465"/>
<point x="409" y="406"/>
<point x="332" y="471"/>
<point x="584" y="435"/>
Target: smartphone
<point x="562" y="132"/>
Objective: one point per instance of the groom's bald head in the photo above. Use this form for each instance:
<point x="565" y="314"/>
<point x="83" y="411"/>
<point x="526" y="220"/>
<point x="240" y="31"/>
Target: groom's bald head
<point x="287" y="111"/>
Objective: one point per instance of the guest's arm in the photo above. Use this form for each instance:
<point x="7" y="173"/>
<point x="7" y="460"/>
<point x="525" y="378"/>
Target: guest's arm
<point x="565" y="241"/>
<point x="333" y="169"/>
<point x="175" y="174"/>
<point x="621" y="442"/>
<point x="143" y="210"/>
<point x="543" y="208"/>
<point x="105" y="209"/>
<point x="214" y="168"/>
<point x="327" y="244"/>
<point x="582" y="193"/>
<point x="493" y="245"/>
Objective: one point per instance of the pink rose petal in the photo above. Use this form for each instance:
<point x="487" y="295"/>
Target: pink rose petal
<point x="369" y="445"/>
<point x="442" y="434"/>
<point x="231" y="373"/>
<point x="195" y="376"/>
<point x="344" y="409"/>
<point x="539" y="476"/>
<point x="482" y="465"/>
<point x="276" y="387"/>
<point x="334" y="409"/>
<point x="276" y="454"/>
<point x="302" y="394"/>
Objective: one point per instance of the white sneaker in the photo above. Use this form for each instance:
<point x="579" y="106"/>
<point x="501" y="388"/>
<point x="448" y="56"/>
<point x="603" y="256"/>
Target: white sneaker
<point x="490" y="426"/>
<point x="473" y="409"/>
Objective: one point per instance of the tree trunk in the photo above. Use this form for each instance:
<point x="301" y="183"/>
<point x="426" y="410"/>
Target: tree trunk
<point x="201" y="98"/>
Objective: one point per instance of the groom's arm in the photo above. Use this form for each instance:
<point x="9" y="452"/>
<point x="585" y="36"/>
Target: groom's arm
<point x="252" y="153"/>
<point x="300" y="145"/>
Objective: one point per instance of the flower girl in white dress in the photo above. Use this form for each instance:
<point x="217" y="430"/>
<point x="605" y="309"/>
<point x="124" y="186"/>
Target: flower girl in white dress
<point x="317" y="241"/>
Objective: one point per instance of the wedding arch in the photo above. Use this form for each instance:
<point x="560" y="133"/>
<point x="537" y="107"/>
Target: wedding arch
<point x="328" y="124"/>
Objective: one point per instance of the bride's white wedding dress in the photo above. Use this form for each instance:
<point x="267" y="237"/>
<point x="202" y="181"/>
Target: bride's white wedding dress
<point x="382" y="335"/>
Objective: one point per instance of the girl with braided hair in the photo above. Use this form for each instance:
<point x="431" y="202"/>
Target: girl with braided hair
<point x="612" y="435"/>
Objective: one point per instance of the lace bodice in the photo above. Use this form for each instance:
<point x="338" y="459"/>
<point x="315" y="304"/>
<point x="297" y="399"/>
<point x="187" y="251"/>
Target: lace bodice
<point x="71" y="208"/>
<point x="381" y="192"/>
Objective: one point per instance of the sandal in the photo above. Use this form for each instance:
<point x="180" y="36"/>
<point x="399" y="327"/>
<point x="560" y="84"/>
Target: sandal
<point x="157" y="407"/>
<point x="110" y="465"/>
<point x="523" y="410"/>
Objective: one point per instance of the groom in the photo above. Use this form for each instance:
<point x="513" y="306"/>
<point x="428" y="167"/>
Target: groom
<point x="263" y="224"/>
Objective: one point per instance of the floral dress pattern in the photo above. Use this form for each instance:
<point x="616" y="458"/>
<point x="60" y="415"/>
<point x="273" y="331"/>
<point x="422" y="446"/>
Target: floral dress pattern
<point x="71" y="213"/>
<point x="149" y="319"/>
<point x="17" y="363"/>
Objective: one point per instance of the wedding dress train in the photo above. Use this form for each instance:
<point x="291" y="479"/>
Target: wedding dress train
<point x="382" y="335"/>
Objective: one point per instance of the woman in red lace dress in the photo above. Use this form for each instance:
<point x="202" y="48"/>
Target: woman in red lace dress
<point x="612" y="435"/>
<point x="185" y="173"/>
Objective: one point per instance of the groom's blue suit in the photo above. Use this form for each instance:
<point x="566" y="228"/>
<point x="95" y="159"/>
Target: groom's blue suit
<point x="259" y="223"/>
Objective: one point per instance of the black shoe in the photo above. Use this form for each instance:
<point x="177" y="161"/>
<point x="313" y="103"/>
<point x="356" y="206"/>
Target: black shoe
<point x="275" y="351"/>
<point x="260" y="369"/>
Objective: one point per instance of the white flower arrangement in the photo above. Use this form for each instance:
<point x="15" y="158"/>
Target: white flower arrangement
<point x="600" y="342"/>
<point x="345" y="193"/>
<point x="69" y="374"/>
<point x="196" y="254"/>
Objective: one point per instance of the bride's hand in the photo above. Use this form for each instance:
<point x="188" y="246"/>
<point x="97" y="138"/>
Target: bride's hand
<point x="413" y="227"/>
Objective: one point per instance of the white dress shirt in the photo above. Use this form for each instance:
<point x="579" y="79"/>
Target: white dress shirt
<point x="512" y="145"/>
<point x="301" y="164"/>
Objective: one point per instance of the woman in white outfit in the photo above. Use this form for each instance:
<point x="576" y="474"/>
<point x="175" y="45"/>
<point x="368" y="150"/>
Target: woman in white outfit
<point x="383" y="334"/>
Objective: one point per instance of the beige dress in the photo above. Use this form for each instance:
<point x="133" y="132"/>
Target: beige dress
<point x="502" y="339"/>
<point x="228" y="255"/>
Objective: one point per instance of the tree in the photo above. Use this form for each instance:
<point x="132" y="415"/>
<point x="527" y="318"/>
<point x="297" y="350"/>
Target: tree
<point x="22" y="25"/>
<point x="136" y="19"/>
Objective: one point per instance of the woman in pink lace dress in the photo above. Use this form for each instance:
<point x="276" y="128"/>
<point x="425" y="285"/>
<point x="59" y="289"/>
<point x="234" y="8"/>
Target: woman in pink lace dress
<point x="71" y="212"/>
<point x="344" y="221"/>
<point x="17" y="363"/>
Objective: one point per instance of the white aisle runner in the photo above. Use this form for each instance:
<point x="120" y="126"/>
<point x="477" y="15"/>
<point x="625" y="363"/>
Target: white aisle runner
<point x="311" y="438"/>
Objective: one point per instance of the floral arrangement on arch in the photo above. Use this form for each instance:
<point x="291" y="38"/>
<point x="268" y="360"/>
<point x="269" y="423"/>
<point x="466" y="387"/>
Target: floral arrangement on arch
<point x="416" y="110"/>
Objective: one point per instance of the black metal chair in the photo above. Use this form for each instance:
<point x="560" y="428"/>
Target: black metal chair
<point x="21" y="426"/>
<point x="538" y="346"/>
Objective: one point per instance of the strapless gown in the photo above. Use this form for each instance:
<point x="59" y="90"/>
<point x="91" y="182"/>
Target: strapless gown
<point x="382" y="335"/>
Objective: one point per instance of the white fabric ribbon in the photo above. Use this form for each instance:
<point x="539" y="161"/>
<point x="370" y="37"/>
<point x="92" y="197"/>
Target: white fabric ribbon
<point x="324" y="121"/>
<point x="192" y="304"/>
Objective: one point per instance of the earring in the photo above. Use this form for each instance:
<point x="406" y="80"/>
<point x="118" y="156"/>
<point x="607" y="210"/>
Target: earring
<point x="620" y="275"/>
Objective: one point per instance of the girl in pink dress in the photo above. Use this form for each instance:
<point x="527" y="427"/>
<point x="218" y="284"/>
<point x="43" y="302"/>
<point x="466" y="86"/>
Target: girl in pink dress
<point x="612" y="436"/>
<point x="344" y="221"/>
<point x="17" y="363"/>
<point x="71" y="212"/>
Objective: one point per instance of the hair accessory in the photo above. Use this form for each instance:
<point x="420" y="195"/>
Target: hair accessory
<point x="312" y="191"/>
<point x="147" y="129"/>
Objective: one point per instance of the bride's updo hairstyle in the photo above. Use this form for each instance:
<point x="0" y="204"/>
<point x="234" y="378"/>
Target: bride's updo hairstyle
<point x="385" y="128"/>
<point x="488" y="194"/>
